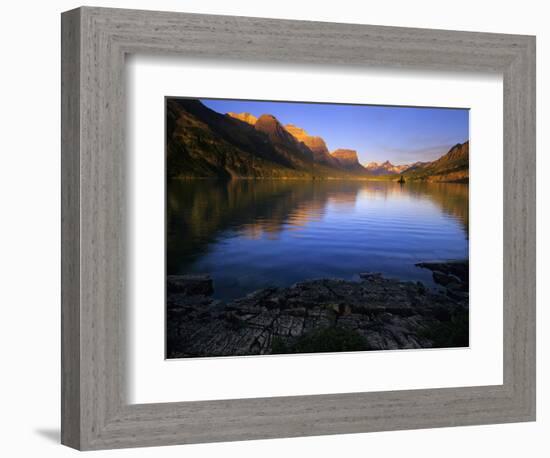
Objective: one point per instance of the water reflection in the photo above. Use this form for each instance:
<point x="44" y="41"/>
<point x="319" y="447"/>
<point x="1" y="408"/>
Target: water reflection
<point x="253" y="233"/>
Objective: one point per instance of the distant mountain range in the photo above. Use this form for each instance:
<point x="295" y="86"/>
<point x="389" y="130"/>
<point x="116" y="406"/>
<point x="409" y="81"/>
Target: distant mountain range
<point x="202" y="143"/>
<point x="385" y="168"/>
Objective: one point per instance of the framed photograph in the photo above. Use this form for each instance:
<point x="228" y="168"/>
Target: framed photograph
<point x="308" y="250"/>
<point x="280" y="228"/>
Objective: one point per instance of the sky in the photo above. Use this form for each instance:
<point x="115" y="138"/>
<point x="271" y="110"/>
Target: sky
<point x="402" y="135"/>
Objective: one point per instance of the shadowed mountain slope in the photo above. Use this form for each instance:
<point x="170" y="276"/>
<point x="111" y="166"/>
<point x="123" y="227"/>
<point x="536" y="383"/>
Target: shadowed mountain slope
<point x="451" y="167"/>
<point x="202" y="143"/>
<point x="297" y="154"/>
<point x="316" y="144"/>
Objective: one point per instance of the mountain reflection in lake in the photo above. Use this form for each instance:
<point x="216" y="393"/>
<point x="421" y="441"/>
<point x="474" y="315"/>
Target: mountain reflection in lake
<point x="251" y="234"/>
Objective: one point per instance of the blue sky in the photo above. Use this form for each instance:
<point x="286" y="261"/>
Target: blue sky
<point x="401" y="135"/>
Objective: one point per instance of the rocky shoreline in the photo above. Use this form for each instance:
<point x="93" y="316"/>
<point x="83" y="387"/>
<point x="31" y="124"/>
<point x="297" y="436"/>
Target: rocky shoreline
<point x="323" y="315"/>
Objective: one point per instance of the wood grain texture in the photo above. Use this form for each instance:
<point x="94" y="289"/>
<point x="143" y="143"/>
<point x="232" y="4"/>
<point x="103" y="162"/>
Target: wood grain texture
<point x="70" y="229"/>
<point x="95" y="413"/>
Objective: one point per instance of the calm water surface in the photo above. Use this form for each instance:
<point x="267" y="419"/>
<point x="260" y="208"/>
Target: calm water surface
<point x="250" y="234"/>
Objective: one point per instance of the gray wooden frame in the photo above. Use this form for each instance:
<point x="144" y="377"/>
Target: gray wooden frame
<point x="95" y="413"/>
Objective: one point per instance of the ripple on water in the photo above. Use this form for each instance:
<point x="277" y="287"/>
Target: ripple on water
<point x="280" y="233"/>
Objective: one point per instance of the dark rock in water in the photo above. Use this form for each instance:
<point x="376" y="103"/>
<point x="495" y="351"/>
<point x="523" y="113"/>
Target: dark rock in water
<point x="458" y="269"/>
<point x="441" y="278"/>
<point x="192" y="284"/>
<point x="370" y="275"/>
<point x="457" y="294"/>
<point x="374" y="313"/>
<point x="421" y="287"/>
<point x="457" y="286"/>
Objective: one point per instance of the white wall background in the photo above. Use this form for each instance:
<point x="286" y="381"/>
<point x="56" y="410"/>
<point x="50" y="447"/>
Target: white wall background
<point x="30" y="246"/>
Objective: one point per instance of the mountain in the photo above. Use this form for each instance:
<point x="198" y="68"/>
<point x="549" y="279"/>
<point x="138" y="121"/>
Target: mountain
<point x="384" y="168"/>
<point x="451" y="167"/>
<point x="316" y="144"/>
<point x="201" y="143"/>
<point x="347" y="158"/>
<point x="245" y="117"/>
<point x="295" y="152"/>
<point x="416" y="165"/>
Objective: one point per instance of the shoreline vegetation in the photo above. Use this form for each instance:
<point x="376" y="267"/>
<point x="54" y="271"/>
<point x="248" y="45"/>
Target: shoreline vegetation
<point x="381" y="178"/>
<point x="321" y="315"/>
<point x="384" y="178"/>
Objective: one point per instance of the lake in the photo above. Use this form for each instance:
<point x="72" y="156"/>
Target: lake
<point x="251" y="234"/>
